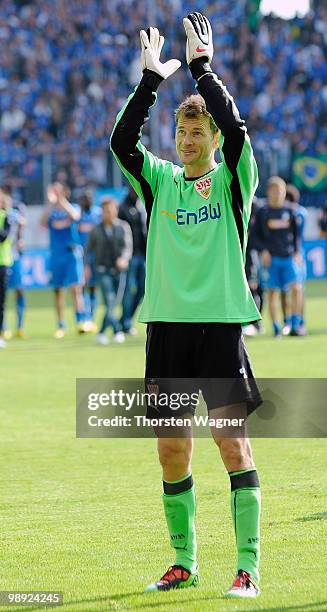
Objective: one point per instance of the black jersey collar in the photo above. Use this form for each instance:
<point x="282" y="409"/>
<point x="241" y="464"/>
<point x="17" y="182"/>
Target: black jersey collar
<point x="196" y="178"/>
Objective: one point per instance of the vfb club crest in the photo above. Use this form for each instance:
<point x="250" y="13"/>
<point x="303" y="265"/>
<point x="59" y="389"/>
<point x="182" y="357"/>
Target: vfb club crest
<point x="203" y="187"/>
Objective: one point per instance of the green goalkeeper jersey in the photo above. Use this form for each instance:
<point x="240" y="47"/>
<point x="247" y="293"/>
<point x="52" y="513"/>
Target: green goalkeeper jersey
<point x="197" y="227"/>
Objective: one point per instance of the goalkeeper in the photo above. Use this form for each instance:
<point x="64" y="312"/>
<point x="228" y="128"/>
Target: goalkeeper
<point x="196" y="294"/>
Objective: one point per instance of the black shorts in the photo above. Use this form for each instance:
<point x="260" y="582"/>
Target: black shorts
<point x="186" y="357"/>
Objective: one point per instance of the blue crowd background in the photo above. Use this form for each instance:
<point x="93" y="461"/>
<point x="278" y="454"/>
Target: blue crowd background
<point x="67" y="67"/>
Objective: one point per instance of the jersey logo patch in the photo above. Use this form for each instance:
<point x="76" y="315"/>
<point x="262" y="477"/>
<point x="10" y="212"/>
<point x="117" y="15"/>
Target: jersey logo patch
<point x="203" y="187"/>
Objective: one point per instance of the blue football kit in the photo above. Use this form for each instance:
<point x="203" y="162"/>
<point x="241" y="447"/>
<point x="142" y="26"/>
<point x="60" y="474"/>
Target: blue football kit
<point x="66" y="252"/>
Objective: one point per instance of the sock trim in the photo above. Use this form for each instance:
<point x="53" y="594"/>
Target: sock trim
<point x="241" y="471"/>
<point x="180" y="486"/>
<point x="245" y="480"/>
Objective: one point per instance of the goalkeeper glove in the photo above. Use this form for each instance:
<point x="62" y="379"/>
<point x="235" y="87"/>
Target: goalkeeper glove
<point x="199" y="47"/>
<point x="151" y="45"/>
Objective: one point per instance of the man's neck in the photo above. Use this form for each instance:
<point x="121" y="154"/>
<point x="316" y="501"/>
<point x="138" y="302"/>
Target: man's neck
<point x="195" y="171"/>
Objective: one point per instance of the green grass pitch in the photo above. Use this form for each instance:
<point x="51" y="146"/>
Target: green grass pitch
<point x="84" y="516"/>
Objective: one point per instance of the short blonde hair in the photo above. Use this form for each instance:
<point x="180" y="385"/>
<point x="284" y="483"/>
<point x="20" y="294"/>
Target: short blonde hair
<point x="277" y="180"/>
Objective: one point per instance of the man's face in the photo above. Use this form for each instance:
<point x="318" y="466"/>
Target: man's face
<point x="276" y="195"/>
<point x="109" y="213"/>
<point x="195" y="141"/>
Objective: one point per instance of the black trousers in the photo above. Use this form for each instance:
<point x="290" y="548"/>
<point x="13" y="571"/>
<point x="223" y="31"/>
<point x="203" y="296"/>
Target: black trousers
<point x="3" y="289"/>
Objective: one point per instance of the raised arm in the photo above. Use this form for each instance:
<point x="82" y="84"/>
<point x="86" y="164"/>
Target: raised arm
<point x="56" y="196"/>
<point x="241" y="173"/>
<point x="137" y="163"/>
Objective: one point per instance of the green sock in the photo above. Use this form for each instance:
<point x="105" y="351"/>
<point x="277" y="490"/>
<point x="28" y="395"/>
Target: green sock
<point x="180" y="508"/>
<point x="245" y="507"/>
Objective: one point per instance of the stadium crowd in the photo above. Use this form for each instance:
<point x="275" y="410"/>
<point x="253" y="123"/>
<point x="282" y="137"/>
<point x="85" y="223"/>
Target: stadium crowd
<point x="66" y="68"/>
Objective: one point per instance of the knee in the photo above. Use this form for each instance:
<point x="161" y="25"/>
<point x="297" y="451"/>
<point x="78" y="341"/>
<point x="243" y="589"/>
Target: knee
<point x="236" y="453"/>
<point x="174" y="451"/>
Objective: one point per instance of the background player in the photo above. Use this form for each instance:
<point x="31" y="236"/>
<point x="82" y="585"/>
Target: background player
<point x="278" y="234"/>
<point x="90" y="216"/>
<point x="5" y="257"/>
<point x="17" y="214"/>
<point x="132" y="211"/>
<point x="253" y="270"/>
<point x="109" y="247"/>
<point x="196" y="294"/>
<point x="293" y="201"/>
<point x="66" y="254"/>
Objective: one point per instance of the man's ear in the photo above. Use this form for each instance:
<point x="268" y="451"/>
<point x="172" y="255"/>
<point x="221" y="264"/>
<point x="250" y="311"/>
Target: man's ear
<point x="216" y="139"/>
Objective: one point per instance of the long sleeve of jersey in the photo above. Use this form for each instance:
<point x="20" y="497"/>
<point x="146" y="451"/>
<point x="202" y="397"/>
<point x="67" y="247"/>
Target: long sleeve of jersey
<point x="241" y="172"/>
<point x="138" y="164"/>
